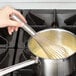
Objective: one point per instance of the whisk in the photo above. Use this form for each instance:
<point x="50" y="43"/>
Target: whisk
<point x="52" y="50"/>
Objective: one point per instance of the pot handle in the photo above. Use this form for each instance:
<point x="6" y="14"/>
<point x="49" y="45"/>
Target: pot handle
<point x="18" y="66"/>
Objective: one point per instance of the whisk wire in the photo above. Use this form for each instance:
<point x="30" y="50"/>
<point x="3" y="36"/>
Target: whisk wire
<point x="52" y="50"/>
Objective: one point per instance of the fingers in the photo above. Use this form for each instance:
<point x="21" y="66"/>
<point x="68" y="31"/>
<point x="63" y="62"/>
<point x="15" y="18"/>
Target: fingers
<point x="14" y="23"/>
<point x="16" y="28"/>
<point x="19" y="15"/>
<point x="12" y="29"/>
<point x="10" y="11"/>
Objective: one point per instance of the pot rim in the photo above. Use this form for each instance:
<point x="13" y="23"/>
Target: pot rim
<point x="56" y="29"/>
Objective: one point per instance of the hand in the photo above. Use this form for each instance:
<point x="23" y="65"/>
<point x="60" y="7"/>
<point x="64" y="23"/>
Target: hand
<point x="5" y="20"/>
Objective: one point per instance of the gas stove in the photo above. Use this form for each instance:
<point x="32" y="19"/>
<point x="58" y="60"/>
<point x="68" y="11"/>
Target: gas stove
<point x="14" y="49"/>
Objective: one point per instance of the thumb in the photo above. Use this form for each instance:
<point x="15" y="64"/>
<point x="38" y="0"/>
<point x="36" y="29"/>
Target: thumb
<point x="14" y="23"/>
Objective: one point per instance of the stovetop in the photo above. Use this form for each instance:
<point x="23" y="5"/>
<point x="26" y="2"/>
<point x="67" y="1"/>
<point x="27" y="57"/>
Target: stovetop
<point x="14" y="49"/>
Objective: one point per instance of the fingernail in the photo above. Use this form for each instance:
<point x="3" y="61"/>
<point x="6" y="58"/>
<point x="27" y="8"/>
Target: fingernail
<point x="10" y="33"/>
<point x="16" y="29"/>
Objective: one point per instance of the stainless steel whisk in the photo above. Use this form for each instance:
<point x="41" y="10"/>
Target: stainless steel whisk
<point x="53" y="51"/>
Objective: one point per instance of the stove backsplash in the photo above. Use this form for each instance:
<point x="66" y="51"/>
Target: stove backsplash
<point x="16" y="50"/>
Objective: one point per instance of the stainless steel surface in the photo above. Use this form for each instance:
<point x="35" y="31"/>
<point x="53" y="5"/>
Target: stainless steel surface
<point x="63" y="67"/>
<point x="17" y="66"/>
<point x="25" y="26"/>
<point x="57" y="67"/>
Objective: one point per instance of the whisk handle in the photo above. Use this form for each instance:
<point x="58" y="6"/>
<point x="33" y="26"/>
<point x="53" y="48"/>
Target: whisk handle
<point x="25" y="26"/>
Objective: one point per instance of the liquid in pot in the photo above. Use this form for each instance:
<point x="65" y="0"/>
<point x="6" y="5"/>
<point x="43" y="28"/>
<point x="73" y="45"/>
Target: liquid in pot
<point x="64" y="39"/>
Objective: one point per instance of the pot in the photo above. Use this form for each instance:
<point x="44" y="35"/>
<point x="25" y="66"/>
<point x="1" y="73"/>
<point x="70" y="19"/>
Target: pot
<point x="55" y="67"/>
<point x="63" y="67"/>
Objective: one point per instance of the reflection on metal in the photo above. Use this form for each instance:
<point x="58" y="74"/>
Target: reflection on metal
<point x="17" y="66"/>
